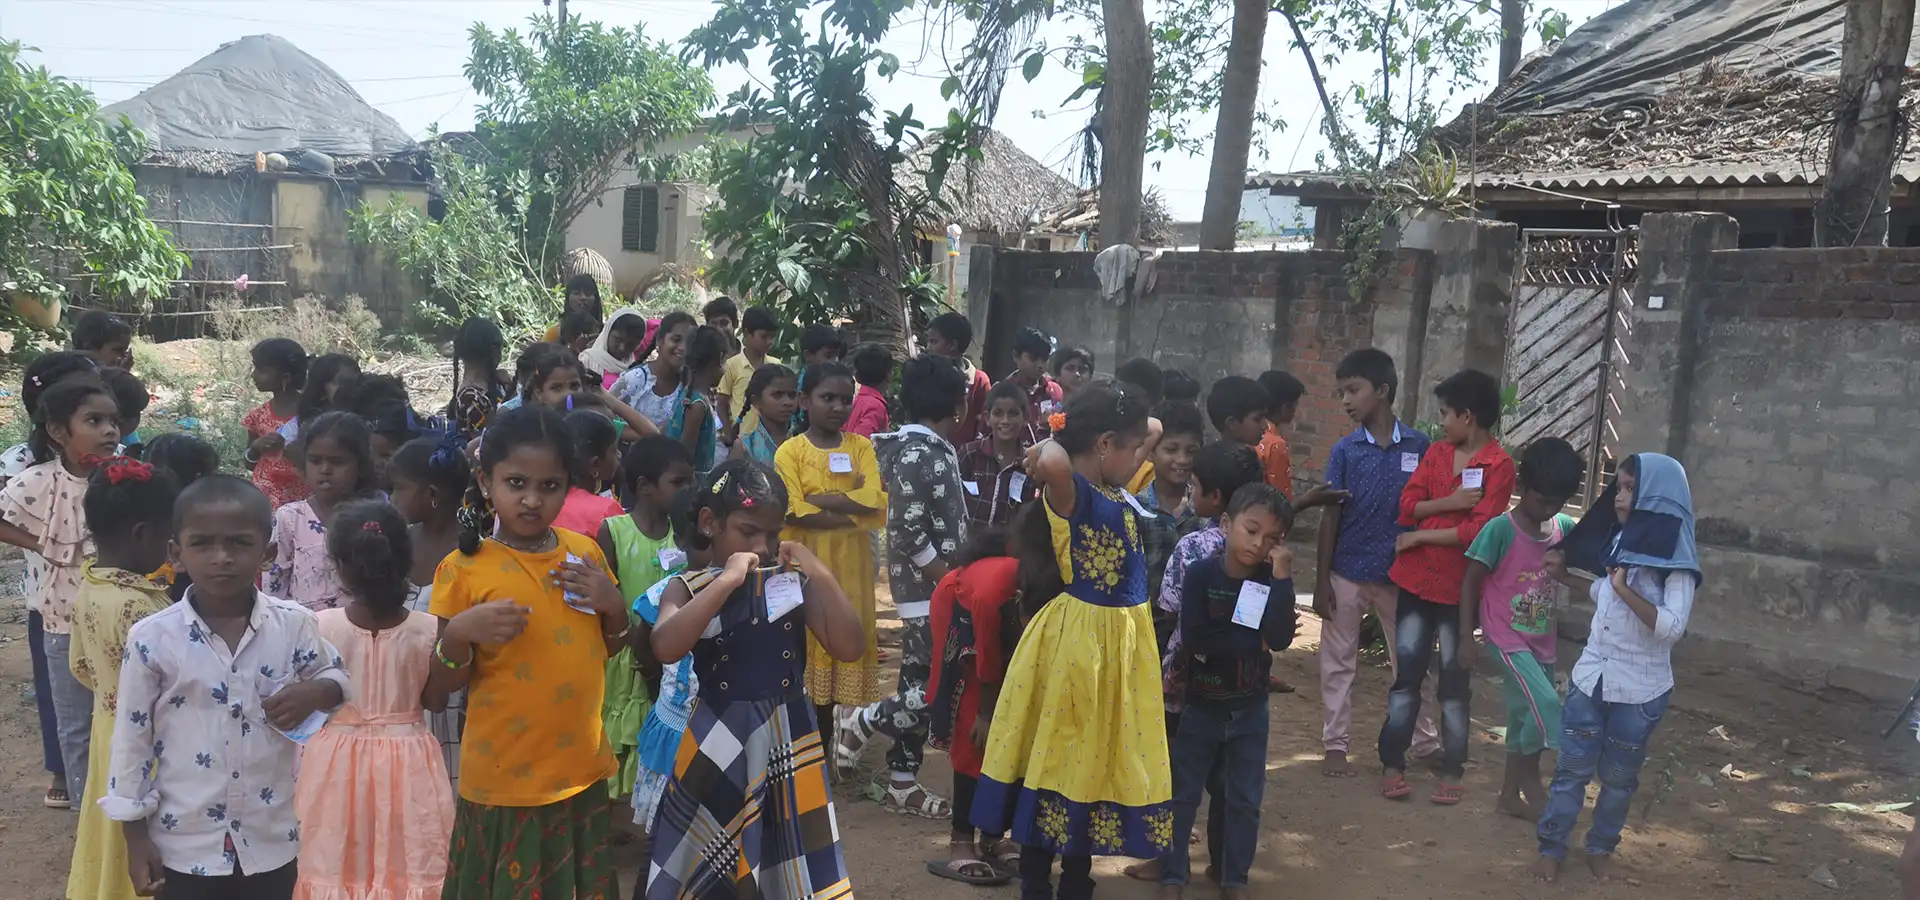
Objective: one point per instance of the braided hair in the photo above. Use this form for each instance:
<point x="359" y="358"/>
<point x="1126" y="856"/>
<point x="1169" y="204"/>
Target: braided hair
<point x="732" y="486"/>
<point x="763" y="378"/>
<point x="125" y="492"/>
<point x="524" y="426"/>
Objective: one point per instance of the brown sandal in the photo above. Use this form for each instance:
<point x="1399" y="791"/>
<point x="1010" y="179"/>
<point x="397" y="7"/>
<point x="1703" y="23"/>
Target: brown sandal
<point x="1394" y="786"/>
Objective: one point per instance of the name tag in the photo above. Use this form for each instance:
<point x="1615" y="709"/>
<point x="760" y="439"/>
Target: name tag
<point x="1017" y="486"/>
<point x="1137" y="505"/>
<point x="1252" y="605"/>
<point x="290" y="430"/>
<point x="783" y="594"/>
<point x="973" y="488"/>
<point x="672" y="558"/>
<point x="575" y="600"/>
<point x="839" y="463"/>
<point x="1471" y="479"/>
<point x="1409" y="462"/>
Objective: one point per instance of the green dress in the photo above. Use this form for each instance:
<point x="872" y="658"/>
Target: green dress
<point x="636" y="560"/>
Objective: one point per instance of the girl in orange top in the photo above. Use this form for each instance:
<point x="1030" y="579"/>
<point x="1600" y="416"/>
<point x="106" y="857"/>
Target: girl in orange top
<point x="531" y="618"/>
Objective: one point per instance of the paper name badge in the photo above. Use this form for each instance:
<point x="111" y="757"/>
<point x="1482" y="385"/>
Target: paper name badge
<point x="839" y="463"/>
<point x="1017" y="487"/>
<point x="1473" y="478"/>
<point x="1136" y="504"/>
<point x="1409" y="462"/>
<point x="783" y="594"/>
<point x="973" y="488"/>
<point x="576" y="600"/>
<point x="290" y="431"/>
<point x="672" y="558"/>
<point x="1252" y="605"/>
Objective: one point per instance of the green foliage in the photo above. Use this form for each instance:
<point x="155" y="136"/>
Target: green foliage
<point x="808" y="209"/>
<point x="475" y="256"/>
<point x="571" y="108"/>
<point x="67" y="192"/>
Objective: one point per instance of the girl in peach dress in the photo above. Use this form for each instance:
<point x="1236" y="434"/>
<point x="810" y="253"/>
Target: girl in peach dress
<point x="376" y="811"/>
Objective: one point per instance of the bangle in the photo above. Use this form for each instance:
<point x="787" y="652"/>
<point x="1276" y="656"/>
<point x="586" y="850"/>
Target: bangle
<point x="440" y="656"/>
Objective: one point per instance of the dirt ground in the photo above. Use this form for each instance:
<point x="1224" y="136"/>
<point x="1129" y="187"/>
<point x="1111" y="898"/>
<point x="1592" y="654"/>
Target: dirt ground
<point x="1740" y="766"/>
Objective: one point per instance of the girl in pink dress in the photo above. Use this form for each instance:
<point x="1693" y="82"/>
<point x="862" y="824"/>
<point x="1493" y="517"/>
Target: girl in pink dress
<point x="376" y="811"/>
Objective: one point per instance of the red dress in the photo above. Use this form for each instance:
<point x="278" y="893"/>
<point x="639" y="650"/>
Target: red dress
<point x="980" y="591"/>
<point x="273" y="474"/>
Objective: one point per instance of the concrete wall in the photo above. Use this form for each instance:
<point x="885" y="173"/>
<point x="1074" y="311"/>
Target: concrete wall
<point x="312" y="214"/>
<point x="681" y="207"/>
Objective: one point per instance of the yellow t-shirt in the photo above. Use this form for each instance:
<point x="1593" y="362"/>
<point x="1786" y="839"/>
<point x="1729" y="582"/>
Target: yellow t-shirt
<point x="533" y="734"/>
<point x="733" y="383"/>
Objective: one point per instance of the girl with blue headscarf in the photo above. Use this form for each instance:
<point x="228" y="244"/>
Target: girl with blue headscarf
<point x="1640" y="535"/>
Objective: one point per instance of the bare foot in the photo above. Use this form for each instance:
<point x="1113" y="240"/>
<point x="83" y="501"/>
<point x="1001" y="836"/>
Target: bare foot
<point x="1144" y="871"/>
<point x="1546" y="870"/>
<point x="1335" y="765"/>
<point x="1516" y="806"/>
<point x="1601" y="865"/>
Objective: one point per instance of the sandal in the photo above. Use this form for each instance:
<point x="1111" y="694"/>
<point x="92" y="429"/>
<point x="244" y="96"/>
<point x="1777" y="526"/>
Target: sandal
<point x="926" y="806"/>
<point x="1394" y="786"/>
<point x="1004" y="857"/>
<point x="849" y="740"/>
<point x="1448" y="794"/>
<point x="977" y="872"/>
<point x="57" y="799"/>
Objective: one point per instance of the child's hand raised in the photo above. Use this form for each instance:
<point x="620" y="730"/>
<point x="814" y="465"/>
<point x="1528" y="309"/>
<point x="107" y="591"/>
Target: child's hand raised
<point x="1282" y="559"/>
<point x="739" y="566"/>
<point x="490" y="624"/>
<point x="583" y="578"/>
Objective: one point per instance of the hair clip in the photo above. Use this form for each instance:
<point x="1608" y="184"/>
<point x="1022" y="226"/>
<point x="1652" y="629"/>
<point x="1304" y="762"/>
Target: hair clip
<point x="1057" y="421"/>
<point x="721" y="482"/>
<point x="121" y="468"/>
<point x="370" y="526"/>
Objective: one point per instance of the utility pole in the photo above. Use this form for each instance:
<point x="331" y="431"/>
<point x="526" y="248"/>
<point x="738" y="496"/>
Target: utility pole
<point x="1867" y="125"/>
<point x="559" y="15"/>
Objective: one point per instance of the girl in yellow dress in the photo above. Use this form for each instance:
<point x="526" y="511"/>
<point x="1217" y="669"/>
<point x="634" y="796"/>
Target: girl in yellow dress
<point x="835" y="498"/>
<point x="1076" y="761"/>
<point x="129" y="510"/>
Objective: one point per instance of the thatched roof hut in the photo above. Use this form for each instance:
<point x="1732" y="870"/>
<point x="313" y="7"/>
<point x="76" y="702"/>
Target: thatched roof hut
<point x="1005" y="192"/>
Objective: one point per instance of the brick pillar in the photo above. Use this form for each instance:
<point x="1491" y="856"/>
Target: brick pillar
<point x="1657" y="333"/>
<point x="1466" y="324"/>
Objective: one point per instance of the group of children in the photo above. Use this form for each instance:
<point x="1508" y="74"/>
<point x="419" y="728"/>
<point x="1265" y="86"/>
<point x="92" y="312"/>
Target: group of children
<point x="427" y="655"/>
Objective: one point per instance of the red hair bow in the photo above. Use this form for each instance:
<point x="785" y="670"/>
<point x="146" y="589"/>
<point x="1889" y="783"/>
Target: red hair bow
<point x="121" y="468"/>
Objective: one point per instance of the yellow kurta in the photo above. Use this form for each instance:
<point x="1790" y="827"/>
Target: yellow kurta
<point x="109" y="602"/>
<point x="847" y="551"/>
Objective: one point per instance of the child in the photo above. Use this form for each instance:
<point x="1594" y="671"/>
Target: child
<point x="583" y="295"/>
<point x="1508" y="594"/>
<point x="105" y="337"/>
<point x="1181" y="387"/>
<point x="723" y="315"/>
<point x="478" y="384"/>
<point x="338" y="453"/>
<point x="950" y="334"/>
<point x="1371" y="464"/>
<point x="872" y="369"/>
<point x="531" y="648"/>
<point x="1220" y="470"/>
<point x="596" y="460"/>
<point x="642" y="549"/>
<point x="992" y="468"/>
<point x="1238" y="611"/>
<point x="130" y="395"/>
<point x="838" y="497"/>
<point x="216" y="680"/>
<point x="821" y="343"/>
<point x="44" y="372"/>
<point x="1031" y="347"/>
<point x="1237" y="406"/>
<point x="1461" y="484"/>
<point x="1074" y="766"/>
<point x="129" y="512"/>
<point x="550" y="375"/>
<point x="382" y="401"/>
<point x="1283" y="400"/>
<point x="578" y="330"/>
<point x="774" y="393"/>
<point x="1144" y="374"/>
<point x="1170" y="494"/>
<point x="973" y="625"/>
<point x="188" y="459"/>
<point x="1620" y="686"/>
<point x="758" y="330"/>
<point x="280" y="371"/>
<point x="373" y="795"/>
<point x="76" y="424"/>
<point x="659" y="740"/>
<point x="429" y="477"/>
<point x="748" y="812"/>
<point x="326" y="375"/>
<point x="1072" y="367"/>
<point x="610" y="355"/>
<point x="693" y="420"/>
<point x="926" y="525"/>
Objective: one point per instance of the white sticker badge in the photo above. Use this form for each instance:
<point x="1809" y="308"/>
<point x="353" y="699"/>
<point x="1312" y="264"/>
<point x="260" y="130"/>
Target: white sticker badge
<point x="839" y="463"/>
<point x="1252" y="605"/>
<point x="1473" y="478"/>
<point x="1409" y="462"/>
<point x="1017" y="487"/>
<point x="672" y="558"/>
<point x="1137" y="505"/>
<point x="783" y="594"/>
<point x="973" y="488"/>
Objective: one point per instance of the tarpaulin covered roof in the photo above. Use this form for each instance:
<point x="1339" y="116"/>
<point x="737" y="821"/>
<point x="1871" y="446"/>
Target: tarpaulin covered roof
<point x="1642" y="49"/>
<point x="261" y="94"/>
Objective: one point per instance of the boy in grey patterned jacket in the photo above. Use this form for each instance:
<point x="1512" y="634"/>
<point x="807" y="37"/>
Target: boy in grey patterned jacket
<point x="926" y="525"/>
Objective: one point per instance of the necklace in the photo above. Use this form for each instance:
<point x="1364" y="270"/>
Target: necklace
<point x="547" y="542"/>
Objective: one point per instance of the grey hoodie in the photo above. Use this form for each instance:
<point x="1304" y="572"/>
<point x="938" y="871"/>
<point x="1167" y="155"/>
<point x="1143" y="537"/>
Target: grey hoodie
<point x="926" y="511"/>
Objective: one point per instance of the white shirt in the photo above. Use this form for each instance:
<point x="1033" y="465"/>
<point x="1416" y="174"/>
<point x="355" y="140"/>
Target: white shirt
<point x="192" y="750"/>
<point x="1631" y="662"/>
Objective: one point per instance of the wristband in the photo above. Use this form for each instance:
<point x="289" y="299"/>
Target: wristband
<point x="440" y="656"/>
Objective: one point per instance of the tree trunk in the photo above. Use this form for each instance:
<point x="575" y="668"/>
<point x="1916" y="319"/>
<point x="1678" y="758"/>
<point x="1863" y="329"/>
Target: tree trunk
<point x="1233" y="130"/>
<point x="1123" y="125"/>
<point x="1513" y="27"/>
<point x="1867" y="126"/>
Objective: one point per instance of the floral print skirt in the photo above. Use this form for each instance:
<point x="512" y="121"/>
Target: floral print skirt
<point x="529" y="852"/>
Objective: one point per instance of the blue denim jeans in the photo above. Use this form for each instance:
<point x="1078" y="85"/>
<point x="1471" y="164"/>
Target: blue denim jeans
<point x="1418" y="625"/>
<point x="1233" y="742"/>
<point x="1609" y="739"/>
<point x="72" y="713"/>
<point x="43" y="698"/>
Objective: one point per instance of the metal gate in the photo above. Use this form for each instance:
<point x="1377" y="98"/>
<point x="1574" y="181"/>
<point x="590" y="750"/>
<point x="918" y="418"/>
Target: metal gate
<point x="1570" y="287"/>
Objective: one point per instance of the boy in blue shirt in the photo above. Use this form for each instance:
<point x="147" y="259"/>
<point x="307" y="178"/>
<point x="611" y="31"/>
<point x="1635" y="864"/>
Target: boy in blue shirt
<point x="1370" y="466"/>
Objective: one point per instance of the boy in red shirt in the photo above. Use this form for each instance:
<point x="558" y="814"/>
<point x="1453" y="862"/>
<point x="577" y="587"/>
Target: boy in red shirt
<point x="1464" y="481"/>
<point x="872" y="367"/>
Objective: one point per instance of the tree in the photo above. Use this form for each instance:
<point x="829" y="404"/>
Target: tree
<point x="1513" y="29"/>
<point x="67" y="193"/>
<point x="571" y="106"/>
<point x="1123" y="120"/>
<point x="1233" y="132"/>
<point x="1868" y="127"/>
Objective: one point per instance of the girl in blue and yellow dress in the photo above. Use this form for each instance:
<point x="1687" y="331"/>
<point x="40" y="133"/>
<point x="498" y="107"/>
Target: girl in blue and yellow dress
<point x="1076" y="761"/>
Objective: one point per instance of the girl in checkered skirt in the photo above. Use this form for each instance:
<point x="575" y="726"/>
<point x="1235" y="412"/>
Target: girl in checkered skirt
<point x="748" y="812"/>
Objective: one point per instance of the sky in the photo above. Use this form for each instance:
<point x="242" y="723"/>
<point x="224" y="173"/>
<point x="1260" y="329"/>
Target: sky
<point x="405" y="58"/>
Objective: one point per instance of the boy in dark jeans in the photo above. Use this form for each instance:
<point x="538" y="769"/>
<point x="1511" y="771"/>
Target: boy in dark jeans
<point x="1238" y="610"/>
<point x="1464" y="481"/>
